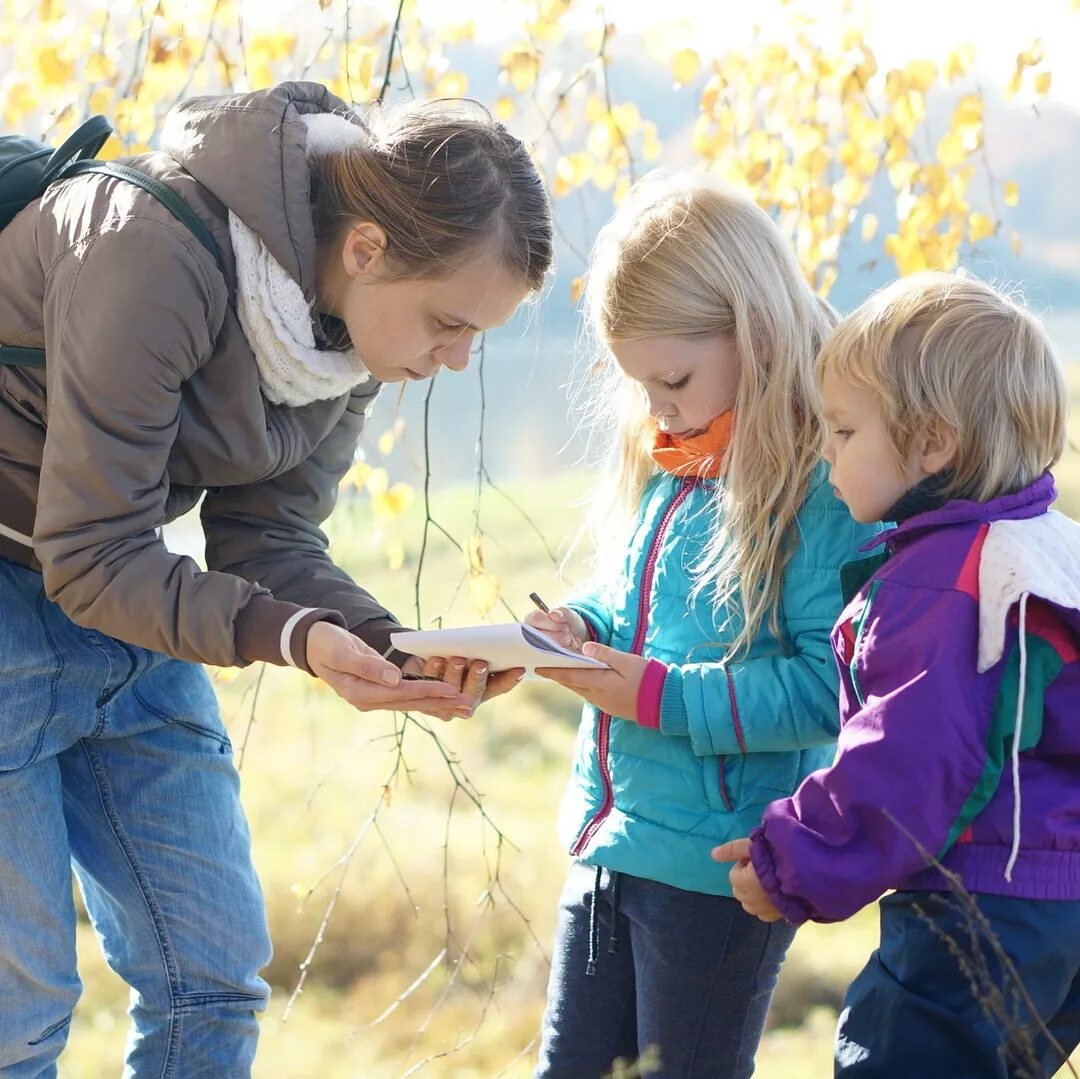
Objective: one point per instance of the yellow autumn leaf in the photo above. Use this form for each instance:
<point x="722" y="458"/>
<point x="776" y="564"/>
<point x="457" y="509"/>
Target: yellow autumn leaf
<point x="386" y="442"/>
<point x="395" y="554"/>
<point x="1042" y="82"/>
<point x="99" y="67"/>
<point x="474" y="553"/>
<point x="950" y="149"/>
<point x="968" y="111"/>
<point x="685" y="65"/>
<point x="869" y="227"/>
<point x="921" y="74"/>
<point x="959" y="62"/>
<point x="452" y="84"/>
<point x="979" y="227"/>
<point x="377" y="481"/>
<point x="1032" y="56"/>
<point x="522" y="66"/>
<point x="574" y="169"/>
<point x="820" y="201"/>
<point x="1012" y="192"/>
<point x="357" y="475"/>
<point x="503" y="108"/>
<point x="52" y="68"/>
<point x="627" y="117"/>
<point x="393" y="502"/>
<point x="483" y="593"/>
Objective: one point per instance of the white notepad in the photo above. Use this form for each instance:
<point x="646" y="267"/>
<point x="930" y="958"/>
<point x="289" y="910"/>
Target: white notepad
<point x="511" y="644"/>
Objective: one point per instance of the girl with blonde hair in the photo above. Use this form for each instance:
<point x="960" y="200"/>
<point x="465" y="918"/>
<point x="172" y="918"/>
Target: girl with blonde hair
<point x="720" y="548"/>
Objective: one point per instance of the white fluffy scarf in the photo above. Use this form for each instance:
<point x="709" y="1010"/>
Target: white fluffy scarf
<point x="275" y="316"/>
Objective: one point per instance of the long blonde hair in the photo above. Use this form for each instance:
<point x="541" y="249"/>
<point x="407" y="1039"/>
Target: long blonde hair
<point x="686" y="256"/>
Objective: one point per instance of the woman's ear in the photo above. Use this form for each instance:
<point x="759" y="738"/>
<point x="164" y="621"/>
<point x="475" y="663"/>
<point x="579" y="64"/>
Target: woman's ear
<point x="365" y="245"/>
<point x="936" y="447"/>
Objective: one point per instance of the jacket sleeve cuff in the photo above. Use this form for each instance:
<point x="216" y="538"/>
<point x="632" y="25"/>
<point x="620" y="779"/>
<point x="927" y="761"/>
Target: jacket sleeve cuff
<point x="674" y="718"/>
<point x="274" y="631"/>
<point x="649" y="694"/>
<point x="795" y="911"/>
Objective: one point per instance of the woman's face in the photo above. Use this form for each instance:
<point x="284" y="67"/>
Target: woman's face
<point x="408" y="327"/>
<point x="688" y="381"/>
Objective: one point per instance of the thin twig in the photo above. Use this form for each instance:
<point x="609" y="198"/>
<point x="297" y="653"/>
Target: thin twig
<point x="390" y="53"/>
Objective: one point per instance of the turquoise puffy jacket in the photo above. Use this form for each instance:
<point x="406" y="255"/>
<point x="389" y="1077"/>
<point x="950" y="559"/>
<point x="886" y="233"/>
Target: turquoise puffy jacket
<point x="732" y="738"/>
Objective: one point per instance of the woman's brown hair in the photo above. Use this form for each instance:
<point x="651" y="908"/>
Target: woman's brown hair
<point x="441" y="178"/>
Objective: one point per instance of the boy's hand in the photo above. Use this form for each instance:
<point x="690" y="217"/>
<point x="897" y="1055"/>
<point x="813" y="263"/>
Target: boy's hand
<point x="564" y="626"/>
<point x="744" y="880"/>
<point x="614" y="691"/>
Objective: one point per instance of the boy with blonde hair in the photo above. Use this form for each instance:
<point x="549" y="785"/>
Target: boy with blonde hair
<point x="959" y="659"/>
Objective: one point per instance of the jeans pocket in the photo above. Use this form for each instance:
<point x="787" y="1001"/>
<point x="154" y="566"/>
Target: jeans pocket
<point x="180" y="694"/>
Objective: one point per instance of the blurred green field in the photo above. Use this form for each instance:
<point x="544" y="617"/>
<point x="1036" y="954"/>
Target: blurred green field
<point x="430" y="873"/>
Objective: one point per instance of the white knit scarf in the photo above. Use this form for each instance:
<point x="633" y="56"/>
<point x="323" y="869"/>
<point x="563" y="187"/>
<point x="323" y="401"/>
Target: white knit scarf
<point x="277" y="322"/>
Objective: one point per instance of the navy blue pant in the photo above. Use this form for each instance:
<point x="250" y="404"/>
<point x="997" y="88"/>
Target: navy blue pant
<point x="935" y="999"/>
<point x="691" y="977"/>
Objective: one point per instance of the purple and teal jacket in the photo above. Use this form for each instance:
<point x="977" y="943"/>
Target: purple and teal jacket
<point x="967" y="632"/>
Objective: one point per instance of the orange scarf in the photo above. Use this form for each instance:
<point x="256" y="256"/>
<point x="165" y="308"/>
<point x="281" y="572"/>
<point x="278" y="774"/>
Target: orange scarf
<point x="699" y="455"/>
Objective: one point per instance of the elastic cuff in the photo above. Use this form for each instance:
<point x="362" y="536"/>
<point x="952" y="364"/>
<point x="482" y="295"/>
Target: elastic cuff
<point x="674" y="718"/>
<point x="294" y="640"/>
<point x="376" y="634"/>
<point x="795" y="911"/>
<point x="649" y="693"/>
<point x="261" y="622"/>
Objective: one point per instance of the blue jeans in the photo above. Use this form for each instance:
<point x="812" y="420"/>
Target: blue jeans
<point x="114" y="759"/>
<point x="691" y="975"/>
<point x="913" y="1009"/>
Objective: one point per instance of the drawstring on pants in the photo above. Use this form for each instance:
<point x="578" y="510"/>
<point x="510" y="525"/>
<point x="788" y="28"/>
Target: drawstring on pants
<point x="594" y="919"/>
<point x="594" y="923"/>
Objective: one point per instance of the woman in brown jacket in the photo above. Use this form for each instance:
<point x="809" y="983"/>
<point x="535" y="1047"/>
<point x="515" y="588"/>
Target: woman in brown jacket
<point x="351" y="255"/>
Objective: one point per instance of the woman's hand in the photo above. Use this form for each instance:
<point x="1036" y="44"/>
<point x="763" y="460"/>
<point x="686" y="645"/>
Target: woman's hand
<point x="359" y="675"/>
<point x="744" y="880"/>
<point x="614" y="691"/>
<point x="471" y="679"/>
<point x="565" y="627"/>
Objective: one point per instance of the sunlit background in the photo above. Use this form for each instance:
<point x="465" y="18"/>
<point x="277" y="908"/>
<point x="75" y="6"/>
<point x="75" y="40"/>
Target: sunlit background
<point x="411" y="873"/>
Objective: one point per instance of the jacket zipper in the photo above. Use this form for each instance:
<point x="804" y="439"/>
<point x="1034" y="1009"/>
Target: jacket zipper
<point x="603" y="734"/>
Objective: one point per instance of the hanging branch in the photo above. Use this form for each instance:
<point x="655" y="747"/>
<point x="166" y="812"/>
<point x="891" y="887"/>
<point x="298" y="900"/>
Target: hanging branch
<point x="390" y="54"/>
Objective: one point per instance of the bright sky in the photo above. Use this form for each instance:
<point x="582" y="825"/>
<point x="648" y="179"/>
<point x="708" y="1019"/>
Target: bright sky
<point x="898" y="30"/>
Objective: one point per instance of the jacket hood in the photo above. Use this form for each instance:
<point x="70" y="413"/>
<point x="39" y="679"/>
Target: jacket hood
<point x="251" y="152"/>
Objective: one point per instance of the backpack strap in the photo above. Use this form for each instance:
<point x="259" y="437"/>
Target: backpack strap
<point x="35" y="357"/>
<point x="165" y="195"/>
<point x="84" y="142"/>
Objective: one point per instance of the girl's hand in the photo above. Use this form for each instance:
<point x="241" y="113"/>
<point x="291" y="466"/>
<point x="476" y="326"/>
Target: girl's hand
<point x="471" y="679"/>
<point x="614" y="691"/>
<point x="359" y="675"/>
<point x="744" y="880"/>
<point x="564" y="626"/>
